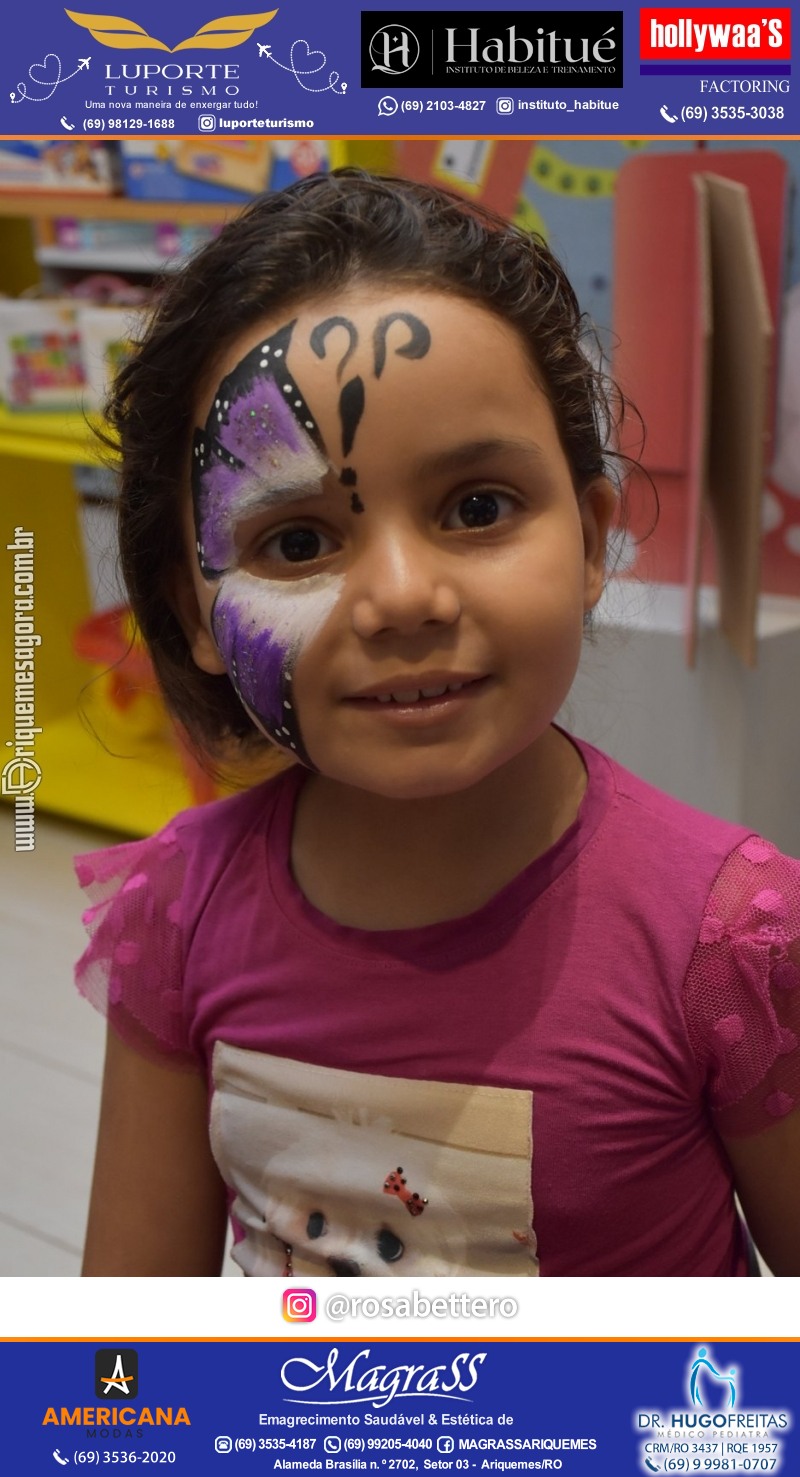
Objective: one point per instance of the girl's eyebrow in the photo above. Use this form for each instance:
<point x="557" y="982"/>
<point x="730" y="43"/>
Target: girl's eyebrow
<point x="459" y="458"/>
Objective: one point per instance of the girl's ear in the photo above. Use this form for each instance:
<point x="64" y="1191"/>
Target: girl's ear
<point x="193" y="609"/>
<point x="597" y="507"/>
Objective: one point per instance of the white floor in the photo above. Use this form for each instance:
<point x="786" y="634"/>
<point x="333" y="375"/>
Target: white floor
<point x="51" y="1053"/>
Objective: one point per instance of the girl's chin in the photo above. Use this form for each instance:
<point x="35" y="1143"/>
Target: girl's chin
<point x="402" y="784"/>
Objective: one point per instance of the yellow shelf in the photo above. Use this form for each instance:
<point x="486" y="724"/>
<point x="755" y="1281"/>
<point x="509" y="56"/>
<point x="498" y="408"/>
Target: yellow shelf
<point x="64" y="436"/>
<point x="135" y="790"/>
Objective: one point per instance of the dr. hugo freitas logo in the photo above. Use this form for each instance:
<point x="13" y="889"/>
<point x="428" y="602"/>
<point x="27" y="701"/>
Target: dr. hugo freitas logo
<point x="713" y="1412"/>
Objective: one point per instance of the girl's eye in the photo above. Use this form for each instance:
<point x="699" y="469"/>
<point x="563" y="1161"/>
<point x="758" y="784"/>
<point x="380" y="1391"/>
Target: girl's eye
<point x="297" y="546"/>
<point x="480" y="509"/>
<point x="316" y="1225"/>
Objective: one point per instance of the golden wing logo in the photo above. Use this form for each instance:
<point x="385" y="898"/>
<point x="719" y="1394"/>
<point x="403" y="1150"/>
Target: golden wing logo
<point x="116" y="31"/>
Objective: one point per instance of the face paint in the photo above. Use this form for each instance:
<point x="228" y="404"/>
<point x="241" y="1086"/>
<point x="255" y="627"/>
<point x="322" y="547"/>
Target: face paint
<point x="260" y="447"/>
<point x="352" y="396"/>
<point x="260" y="627"/>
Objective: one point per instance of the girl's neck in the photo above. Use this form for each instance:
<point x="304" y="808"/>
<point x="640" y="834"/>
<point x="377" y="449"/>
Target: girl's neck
<point x="374" y="863"/>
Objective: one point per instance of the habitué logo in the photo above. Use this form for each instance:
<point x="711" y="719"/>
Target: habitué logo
<point x="116" y="1374"/>
<point x="492" y="48"/>
<point x="394" y="50"/>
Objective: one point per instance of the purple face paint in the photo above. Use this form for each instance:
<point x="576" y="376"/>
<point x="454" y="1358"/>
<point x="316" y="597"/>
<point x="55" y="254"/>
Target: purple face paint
<point x="260" y="446"/>
<point x="260" y="627"/>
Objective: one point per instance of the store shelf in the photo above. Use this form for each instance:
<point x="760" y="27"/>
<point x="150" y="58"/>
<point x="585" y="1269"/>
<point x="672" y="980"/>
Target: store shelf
<point x="110" y="258"/>
<point x="66" y="436"/>
<point x="44" y="205"/>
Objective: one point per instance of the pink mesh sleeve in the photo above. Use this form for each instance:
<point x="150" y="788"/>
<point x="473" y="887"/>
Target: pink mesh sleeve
<point x="132" y="968"/>
<point x="742" y="992"/>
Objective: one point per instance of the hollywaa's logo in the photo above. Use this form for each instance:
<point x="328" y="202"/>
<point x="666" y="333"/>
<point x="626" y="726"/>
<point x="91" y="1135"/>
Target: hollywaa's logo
<point x="715" y="33"/>
<point x="217" y="35"/>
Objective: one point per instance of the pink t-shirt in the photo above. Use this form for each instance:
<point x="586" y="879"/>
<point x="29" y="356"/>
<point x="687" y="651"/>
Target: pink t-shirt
<point x="538" y="1086"/>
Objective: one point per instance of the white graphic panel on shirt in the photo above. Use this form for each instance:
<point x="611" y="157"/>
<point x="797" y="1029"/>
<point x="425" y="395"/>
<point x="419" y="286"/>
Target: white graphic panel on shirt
<point x="347" y="1174"/>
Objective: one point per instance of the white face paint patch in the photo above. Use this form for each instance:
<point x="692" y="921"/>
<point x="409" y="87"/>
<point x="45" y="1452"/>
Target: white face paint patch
<point x="261" y="627"/>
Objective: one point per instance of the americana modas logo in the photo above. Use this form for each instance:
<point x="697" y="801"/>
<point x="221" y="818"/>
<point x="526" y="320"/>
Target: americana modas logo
<point x="116" y="1374"/>
<point x="216" y="35"/>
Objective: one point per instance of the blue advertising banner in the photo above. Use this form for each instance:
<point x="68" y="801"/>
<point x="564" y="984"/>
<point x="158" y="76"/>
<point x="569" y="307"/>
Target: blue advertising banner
<point x="601" y="1409"/>
<point x="306" y="67"/>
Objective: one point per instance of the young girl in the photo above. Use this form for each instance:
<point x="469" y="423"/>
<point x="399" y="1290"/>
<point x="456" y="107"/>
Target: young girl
<point x="453" y="993"/>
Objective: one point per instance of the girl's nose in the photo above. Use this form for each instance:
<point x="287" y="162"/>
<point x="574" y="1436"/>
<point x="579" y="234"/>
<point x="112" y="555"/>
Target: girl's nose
<point x="403" y="585"/>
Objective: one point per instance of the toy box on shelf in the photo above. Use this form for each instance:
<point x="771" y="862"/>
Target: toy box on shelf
<point x="60" y="354"/>
<point x="106" y="335"/>
<point x="41" y="366"/>
<point x="80" y="165"/>
<point x="185" y="169"/>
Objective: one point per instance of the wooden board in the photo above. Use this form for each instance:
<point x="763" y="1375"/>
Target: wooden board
<point x="742" y="359"/>
<point x="700" y="404"/>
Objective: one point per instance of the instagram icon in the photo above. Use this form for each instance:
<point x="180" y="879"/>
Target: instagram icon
<point x="300" y="1305"/>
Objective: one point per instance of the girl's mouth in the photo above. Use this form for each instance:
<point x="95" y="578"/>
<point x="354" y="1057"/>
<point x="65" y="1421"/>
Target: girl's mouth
<point x="435" y="695"/>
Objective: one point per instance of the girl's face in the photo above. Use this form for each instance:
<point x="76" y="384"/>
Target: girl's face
<point x="389" y="557"/>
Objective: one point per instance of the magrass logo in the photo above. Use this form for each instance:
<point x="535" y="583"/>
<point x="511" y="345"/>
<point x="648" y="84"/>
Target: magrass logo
<point x="116" y="1374"/>
<point x="217" y="35"/>
<point x="492" y="48"/>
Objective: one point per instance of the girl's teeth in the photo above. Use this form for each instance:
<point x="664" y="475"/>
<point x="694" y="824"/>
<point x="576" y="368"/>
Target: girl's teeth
<point x="414" y="694"/>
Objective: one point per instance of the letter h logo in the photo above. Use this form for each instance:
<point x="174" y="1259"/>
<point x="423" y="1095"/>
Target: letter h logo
<point x="393" y="50"/>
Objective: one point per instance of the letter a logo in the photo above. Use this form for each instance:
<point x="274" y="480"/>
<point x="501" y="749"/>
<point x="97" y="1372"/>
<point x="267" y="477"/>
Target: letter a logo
<point x="116" y="1374"/>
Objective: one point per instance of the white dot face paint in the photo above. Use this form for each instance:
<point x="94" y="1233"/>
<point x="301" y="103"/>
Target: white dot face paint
<point x="260" y="447"/>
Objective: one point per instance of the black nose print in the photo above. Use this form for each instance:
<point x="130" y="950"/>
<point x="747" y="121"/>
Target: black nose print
<point x="343" y="1267"/>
